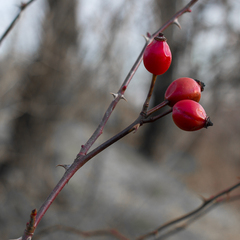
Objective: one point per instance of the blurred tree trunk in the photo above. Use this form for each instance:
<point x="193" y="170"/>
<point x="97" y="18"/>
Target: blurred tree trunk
<point x="163" y="10"/>
<point x="43" y="95"/>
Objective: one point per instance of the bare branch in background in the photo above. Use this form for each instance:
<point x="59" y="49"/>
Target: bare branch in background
<point x="22" y="8"/>
<point x="206" y="202"/>
<point x="87" y="234"/>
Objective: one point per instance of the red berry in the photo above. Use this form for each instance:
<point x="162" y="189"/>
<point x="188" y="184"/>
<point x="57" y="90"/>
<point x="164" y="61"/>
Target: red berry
<point x="157" y="56"/>
<point x="190" y="115"/>
<point x="183" y="88"/>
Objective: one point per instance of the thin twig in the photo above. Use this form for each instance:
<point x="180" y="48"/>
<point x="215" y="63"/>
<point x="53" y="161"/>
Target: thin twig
<point x="155" y="118"/>
<point x="205" y="203"/>
<point x="86" y="234"/>
<point x="146" y="103"/>
<point x="156" y="108"/>
<point x="21" y="9"/>
<point x="194" y="218"/>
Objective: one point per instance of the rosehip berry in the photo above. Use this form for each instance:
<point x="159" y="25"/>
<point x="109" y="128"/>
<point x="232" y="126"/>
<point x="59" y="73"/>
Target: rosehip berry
<point x="157" y="56"/>
<point x="190" y="115"/>
<point x="184" y="88"/>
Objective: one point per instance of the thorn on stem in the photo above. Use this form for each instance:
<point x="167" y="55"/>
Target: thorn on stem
<point x="23" y="6"/>
<point x="65" y="166"/>
<point x="156" y="233"/>
<point x="136" y="127"/>
<point x="183" y="226"/>
<point x="114" y="95"/>
<point x="176" y="22"/>
<point x="202" y="198"/>
<point x="149" y="35"/>
<point x="122" y="97"/>
<point x="146" y="38"/>
<point x="228" y="196"/>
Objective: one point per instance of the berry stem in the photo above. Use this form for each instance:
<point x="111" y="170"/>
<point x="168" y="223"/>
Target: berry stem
<point x="156" y="108"/>
<point x="146" y="103"/>
<point x="153" y="119"/>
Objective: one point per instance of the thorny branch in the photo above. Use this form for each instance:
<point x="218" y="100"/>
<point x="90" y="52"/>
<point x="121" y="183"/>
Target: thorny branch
<point x="82" y="156"/>
<point x="21" y="8"/>
<point x="149" y="38"/>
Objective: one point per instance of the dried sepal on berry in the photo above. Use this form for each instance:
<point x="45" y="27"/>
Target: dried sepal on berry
<point x="189" y="115"/>
<point x="184" y="88"/>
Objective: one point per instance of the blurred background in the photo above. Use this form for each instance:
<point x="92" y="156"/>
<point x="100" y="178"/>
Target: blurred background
<point x="57" y="68"/>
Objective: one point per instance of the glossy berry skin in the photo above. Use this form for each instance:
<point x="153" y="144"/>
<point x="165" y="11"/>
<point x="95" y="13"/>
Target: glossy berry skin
<point x="183" y="88"/>
<point x="189" y="115"/>
<point x="157" y="56"/>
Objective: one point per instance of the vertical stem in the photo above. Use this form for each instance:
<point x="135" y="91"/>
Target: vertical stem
<point x="146" y="104"/>
<point x="153" y="119"/>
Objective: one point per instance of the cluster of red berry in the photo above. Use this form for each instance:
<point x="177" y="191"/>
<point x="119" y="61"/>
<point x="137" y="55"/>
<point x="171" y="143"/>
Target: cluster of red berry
<point x="182" y="94"/>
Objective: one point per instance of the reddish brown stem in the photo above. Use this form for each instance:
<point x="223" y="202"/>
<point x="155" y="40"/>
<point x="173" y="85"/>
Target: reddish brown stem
<point x="82" y="159"/>
<point x="153" y="119"/>
<point x="156" y="108"/>
<point x="86" y="234"/>
<point x="78" y="163"/>
<point x="146" y="103"/>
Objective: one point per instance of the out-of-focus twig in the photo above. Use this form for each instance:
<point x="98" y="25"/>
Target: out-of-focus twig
<point x="184" y="225"/>
<point x="87" y="234"/>
<point x="206" y="202"/>
<point x="10" y="27"/>
<point x="146" y="104"/>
